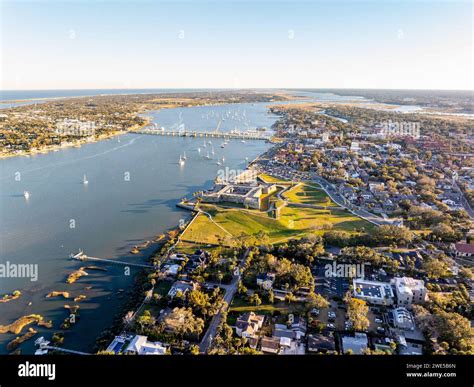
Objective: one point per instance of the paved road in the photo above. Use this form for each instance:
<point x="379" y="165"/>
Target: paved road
<point x="339" y="199"/>
<point x="230" y="291"/>
<point x="464" y="201"/>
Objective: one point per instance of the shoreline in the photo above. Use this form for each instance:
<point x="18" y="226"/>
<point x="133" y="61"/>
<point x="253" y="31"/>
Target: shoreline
<point x="106" y="136"/>
<point x="84" y="141"/>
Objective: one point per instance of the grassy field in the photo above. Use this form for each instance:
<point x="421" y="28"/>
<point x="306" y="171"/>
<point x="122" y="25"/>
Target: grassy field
<point x="293" y="222"/>
<point x="240" y="305"/>
<point x="272" y="179"/>
<point x="308" y="194"/>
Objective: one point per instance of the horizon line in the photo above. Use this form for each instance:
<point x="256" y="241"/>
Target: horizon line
<point x="241" y="88"/>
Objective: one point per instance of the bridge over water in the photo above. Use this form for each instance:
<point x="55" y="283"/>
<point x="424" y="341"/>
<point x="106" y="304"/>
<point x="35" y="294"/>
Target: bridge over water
<point x="214" y="134"/>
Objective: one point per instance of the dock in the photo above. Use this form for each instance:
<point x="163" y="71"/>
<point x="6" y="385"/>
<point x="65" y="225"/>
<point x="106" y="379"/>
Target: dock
<point x="44" y="347"/>
<point x="80" y="256"/>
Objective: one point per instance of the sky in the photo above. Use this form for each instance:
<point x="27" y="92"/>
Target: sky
<point x="236" y="44"/>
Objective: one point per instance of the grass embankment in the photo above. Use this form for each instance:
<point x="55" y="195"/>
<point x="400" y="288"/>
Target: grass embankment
<point x="293" y="222"/>
<point x="309" y="194"/>
<point x="272" y="179"/>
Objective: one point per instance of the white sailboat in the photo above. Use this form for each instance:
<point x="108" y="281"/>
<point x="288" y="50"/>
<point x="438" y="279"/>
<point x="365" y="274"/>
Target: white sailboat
<point x="199" y="150"/>
<point x="184" y="155"/>
<point x="26" y="194"/>
<point x="84" y="180"/>
<point x="208" y="156"/>
<point x="181" y="161"/>
<point x="212" y="150"/>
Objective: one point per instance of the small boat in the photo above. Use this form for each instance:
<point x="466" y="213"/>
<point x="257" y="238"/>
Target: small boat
<point x="243" y="141"/>
<point x="199" y="150"/>
<point x="181" y="161"/>
<point x="208" y="156"/>
<point x="84" y="180"/>
<point x="223" y="158"/>
<point x="184" y="155"/>
<point x="218" y="163"/>
<point x="212" y="151"/>
<point x="26" y="194"/>
<point x="209" y="142"/>
<point x="223" y="145"/>
<point x="204" y="145"/>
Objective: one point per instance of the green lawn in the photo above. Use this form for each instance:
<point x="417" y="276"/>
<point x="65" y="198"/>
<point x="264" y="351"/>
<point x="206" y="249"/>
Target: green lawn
<point x="308" y="194"/>
<point x="293" y="222"/>
<point x="241" y="305"/>
<point x="272" y="179"/>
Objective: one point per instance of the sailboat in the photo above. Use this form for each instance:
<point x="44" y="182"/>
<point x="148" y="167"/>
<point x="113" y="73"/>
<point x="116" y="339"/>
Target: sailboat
<point x="223" y="158"/>
<point x="212" y="151"/>
<point x="199" y="150"/>
<point x="181" y="161"/>
<point x="208" y="156"/>
<point x="204" y="145"/>
<point x="184" y="155"/>
<point x="26" y="194"/>
<point x="84" y="180"/>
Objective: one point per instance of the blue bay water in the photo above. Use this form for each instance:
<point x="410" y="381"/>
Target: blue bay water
<point x="110" y="214"/>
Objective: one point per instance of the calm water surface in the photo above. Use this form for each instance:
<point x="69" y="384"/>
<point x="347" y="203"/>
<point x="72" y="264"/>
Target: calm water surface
<point x="134" y="184"/>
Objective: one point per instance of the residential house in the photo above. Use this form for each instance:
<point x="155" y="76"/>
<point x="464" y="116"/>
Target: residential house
<point x="248" y="324"/>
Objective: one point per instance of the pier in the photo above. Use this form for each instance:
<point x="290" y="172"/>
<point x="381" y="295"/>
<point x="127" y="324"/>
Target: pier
<point x="215" y="134"/>
<point x="80" y="256"/>
<point x="44" y="347"/>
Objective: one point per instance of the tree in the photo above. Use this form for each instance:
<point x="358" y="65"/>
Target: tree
<point x="145" y="320"/>
<point x="435" y="268"/>
<point x="290" y="297"/>
<point x="184" y="322"/>
<point x="444" y="232"/>
<point x="357" y="311"/>
<point x="388" y="234"/>
<point x="199" y="301"/>
<point x="455" y="330"/>
<point x="271" y="297"/>
<point x="255" y="299"/>
<point x="316" y="301"/>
